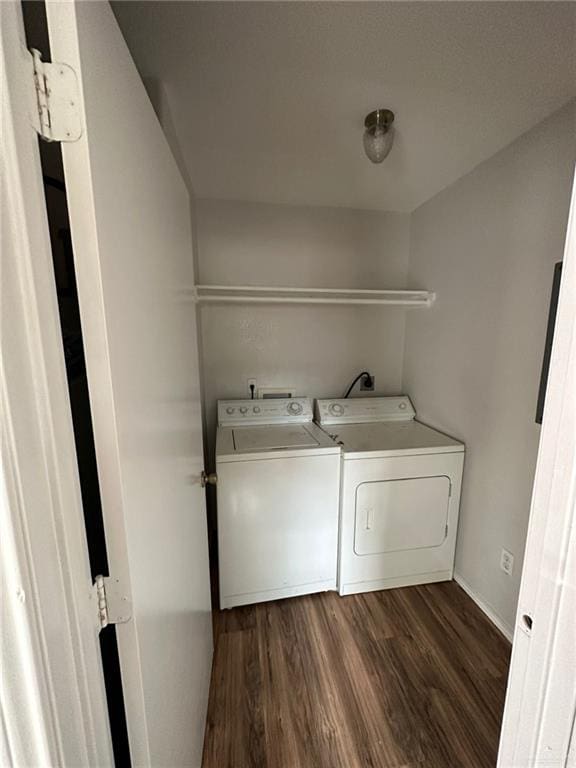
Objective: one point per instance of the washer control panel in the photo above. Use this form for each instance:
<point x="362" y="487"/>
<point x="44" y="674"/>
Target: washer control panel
<point x="289" y="410"/>
<point x="361" y="410"/>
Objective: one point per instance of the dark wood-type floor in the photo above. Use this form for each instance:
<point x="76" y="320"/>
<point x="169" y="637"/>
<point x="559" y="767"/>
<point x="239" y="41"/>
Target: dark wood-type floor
<point x="411" y="678"/>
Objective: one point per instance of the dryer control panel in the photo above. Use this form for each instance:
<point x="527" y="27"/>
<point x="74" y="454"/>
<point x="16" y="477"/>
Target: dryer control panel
<point x="361" y="410"/>
<point x="289" y="410"/>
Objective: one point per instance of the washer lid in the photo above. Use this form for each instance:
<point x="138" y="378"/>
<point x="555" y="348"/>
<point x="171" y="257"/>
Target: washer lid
<point x="272" y="438"/>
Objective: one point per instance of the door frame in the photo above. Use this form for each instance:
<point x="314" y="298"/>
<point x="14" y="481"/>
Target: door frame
<point x="53" y="697"/>
<point x="539" y="715"/>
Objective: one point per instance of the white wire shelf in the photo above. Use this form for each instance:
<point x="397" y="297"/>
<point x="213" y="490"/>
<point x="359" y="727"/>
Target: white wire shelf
<point x="249" y="294"/>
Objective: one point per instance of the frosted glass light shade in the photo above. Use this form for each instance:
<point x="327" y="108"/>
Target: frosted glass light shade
<point x="378" y="134"/>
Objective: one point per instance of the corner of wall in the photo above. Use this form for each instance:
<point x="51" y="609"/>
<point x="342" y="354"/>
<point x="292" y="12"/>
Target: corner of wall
<point x="503" y="626"/>
<point x="473" y="362"/>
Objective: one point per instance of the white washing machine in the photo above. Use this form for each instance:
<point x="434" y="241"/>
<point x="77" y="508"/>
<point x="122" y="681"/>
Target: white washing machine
<point x="278" y="495"/>
<point x="400" y="494"/>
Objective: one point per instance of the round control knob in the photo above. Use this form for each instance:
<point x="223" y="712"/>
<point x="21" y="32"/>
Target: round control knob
<point x="243" y="410"/>
<point x="295" y="408"/>
<point x="229" y="410"/>
<point x="402" y="406"/>
<point x="336" y="409"/>
<point x="256" y="409"/>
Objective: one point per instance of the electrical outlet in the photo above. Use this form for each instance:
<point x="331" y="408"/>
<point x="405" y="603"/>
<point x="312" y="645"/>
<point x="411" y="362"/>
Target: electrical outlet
<point x="251" y="384"/>
<point x="364" y="387"/>
<point x="507" y="562"/>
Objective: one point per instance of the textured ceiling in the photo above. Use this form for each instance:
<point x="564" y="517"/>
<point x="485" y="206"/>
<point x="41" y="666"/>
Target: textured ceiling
<point x="265" y="101"/>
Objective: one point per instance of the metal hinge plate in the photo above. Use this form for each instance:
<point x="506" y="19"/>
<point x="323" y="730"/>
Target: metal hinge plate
<point x="55" y="112"/>
<point x="114" y="607"/>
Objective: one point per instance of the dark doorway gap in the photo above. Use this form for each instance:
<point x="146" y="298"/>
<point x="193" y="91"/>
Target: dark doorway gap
<point x="36" y="29"/>
<point x="549" y="341"/>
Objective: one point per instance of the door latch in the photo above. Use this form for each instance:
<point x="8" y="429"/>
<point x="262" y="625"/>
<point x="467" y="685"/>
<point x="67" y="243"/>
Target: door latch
<point x="210" y="478"/>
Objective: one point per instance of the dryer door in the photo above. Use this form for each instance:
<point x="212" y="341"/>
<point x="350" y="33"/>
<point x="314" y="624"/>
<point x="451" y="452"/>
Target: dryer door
<point x="403" y="514"/>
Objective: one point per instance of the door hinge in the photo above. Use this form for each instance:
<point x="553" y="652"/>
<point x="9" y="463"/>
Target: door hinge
<point x="113" y="604"/>
<point x="55" y="112"/>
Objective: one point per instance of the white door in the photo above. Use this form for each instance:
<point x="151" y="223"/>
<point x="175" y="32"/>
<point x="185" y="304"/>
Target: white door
<point x="131" y="230"/>
<point x="540" y="713"/>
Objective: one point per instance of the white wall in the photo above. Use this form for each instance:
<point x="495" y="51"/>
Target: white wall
<point x="487" y="245"/>
<point x="316" y="349"/>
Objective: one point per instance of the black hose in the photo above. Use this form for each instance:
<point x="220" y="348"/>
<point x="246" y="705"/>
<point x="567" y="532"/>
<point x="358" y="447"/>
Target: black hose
<point x="360" y="375"/>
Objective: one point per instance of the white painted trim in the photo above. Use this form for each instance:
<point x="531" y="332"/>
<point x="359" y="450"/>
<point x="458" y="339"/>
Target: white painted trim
<point x="52" y="695"/>
<point x="499" y="623"/>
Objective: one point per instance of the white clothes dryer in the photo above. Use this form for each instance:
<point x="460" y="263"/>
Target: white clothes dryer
<point x="277" y="494"/>
<point x="400" y="494"/>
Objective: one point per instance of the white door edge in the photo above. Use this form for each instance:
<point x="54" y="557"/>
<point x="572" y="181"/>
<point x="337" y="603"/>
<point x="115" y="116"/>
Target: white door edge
<point x="541" y="698"/>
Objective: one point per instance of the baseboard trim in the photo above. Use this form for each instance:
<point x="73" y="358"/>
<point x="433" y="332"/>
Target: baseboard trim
<point x="500" y="625"/>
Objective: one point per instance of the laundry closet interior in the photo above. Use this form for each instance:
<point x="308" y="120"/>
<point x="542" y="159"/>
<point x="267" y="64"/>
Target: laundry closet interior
<point x="365" y="373"/>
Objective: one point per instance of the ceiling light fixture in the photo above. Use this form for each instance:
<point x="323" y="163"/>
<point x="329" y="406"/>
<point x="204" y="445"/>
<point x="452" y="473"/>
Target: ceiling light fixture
<point x="378" y="134"/>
